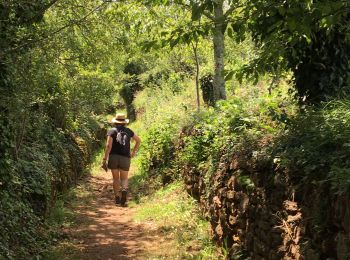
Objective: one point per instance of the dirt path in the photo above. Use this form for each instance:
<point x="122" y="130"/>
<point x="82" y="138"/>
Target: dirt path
<point x="105" y="231"/>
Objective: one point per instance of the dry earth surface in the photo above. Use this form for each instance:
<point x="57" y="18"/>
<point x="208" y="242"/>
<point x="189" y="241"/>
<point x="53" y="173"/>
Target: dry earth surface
<point x="105" y="231"/>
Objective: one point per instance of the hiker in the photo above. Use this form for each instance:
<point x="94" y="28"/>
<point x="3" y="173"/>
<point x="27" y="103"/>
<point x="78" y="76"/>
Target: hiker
<point x="118" y="154"/>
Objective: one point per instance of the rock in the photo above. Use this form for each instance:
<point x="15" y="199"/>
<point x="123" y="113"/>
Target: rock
<point x="230" y="194"/>
<point x="217" y="202"/>
<point x="243" y="205"/>
<point x="232" y="220"/>
<point x="294" y="218"/>
<point x="219" y="231"/>
<point x="290" y="206"/>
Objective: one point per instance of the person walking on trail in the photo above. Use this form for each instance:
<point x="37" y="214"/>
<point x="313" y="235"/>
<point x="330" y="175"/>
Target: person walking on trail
<point x="118" y="155"/>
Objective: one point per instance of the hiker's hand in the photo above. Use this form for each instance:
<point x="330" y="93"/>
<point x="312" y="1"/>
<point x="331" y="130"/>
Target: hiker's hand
<point x="104" y="165"/>
<point x="133" y="153"/>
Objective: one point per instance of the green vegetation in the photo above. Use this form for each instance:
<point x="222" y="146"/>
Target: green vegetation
<point x="268" y="130"/>
<point x="63" y="217"/>
<point x="185" y="235"/>
<point x="315" y="40"/>
<point x="266" y="136"/>
<point x="318" y="155"/>
<point x="274" y="79"/>
<point x="220" y="131"/>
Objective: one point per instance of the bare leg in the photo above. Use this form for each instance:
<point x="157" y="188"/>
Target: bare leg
<point x="124" y="179"/>
<point x="116" y="182"/>
<point x="124" y="184"/>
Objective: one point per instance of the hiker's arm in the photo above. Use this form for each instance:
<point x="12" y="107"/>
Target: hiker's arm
<point x="136" y="146"/>
<point x="108" y="147"/>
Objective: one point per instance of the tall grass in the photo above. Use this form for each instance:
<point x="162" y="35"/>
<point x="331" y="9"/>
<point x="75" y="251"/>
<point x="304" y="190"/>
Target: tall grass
<point x="173" y="214"/>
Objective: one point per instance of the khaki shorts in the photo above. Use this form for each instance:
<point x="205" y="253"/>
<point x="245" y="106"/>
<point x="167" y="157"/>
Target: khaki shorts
<point x="116" y="161"/>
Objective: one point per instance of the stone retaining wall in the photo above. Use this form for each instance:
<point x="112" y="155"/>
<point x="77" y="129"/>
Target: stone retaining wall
<point x="275" y="219"/>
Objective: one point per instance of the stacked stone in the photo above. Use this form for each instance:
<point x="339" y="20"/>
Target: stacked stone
<point x="271" y="220"/>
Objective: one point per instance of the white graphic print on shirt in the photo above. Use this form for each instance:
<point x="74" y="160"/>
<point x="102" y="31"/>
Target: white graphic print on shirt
<point x="121" y="138"/>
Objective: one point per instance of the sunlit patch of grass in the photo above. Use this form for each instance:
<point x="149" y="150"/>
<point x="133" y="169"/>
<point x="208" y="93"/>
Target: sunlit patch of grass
<point x="174" y="215"/>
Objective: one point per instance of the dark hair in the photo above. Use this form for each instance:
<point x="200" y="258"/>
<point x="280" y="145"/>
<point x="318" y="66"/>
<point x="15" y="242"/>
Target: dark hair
<point x="115" y="124"/>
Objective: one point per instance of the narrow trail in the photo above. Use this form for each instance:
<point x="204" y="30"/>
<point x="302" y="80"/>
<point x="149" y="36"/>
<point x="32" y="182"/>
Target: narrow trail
<point x="105" y="231"/>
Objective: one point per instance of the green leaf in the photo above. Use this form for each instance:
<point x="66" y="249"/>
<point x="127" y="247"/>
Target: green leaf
<point x="230" y="32"/>
<point x="281" y="10"/>
<point x="196" y="12"/>
<point x="292" y="25"/>
<point x="236" y="26"/>
<point x="174" y="42"/>
<point x="229" y="75"/>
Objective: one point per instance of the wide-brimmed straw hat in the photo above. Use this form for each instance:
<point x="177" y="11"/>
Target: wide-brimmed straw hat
<point x="120" y="119"/>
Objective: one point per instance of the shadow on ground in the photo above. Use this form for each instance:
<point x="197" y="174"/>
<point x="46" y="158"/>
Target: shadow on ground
<point x="105" y="231"/>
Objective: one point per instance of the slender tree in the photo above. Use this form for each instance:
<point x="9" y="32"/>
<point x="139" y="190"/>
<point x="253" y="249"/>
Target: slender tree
<point x="218" y="14"/>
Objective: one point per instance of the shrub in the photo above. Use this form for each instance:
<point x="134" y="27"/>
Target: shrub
<point x="316" y="146"/>
<point x="159" y="149"/>
<point x="47" y="162"/>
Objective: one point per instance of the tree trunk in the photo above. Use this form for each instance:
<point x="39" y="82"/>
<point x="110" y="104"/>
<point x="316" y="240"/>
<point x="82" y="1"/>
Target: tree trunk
<point x="195" y="51"/>
<point x="219" y="50"/>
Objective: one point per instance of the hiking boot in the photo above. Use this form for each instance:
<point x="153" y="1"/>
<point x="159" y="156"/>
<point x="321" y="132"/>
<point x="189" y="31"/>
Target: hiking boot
<point x="124" y="197"/>
<point x="117" y="200"/>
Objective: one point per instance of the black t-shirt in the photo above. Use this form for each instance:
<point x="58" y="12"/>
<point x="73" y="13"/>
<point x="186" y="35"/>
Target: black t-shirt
<point x="121" y="140"/>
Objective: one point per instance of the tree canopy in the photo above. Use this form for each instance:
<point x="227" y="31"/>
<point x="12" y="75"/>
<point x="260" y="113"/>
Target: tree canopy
<point x="65" y="64"/>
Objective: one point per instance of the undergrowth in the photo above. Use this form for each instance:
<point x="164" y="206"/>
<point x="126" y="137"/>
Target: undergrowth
<point x="184" y="234"/>
<point x="63" y="217"/>
<point x="307" y="148"/>
<point x="316" y="147"/>
<point x="312" y="143"/>
<point x="49" y="162"/>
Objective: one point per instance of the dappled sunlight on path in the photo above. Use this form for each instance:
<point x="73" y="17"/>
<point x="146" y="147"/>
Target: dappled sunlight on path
<point x="105" y="231"/>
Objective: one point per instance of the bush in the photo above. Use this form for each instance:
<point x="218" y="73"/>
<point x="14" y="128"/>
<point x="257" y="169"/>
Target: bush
<point x="266" y="129"/>
<point x="206" y="137"/>
<point x="316" y="146"/>
<point x="49" y="161"/>
<point x="158" y="151"/>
